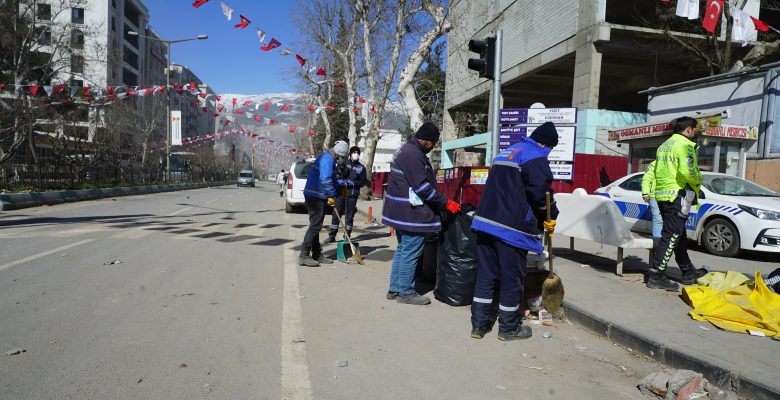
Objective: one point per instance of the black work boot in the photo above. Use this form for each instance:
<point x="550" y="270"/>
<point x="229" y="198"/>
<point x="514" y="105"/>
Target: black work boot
<point x="659" y="280"/>
<point x="521" y="332"/>
<point x="392" y="295"/>
<point x="690" y="274"/>
<point x="331" y="237"/>
<point x="479" y="333"/>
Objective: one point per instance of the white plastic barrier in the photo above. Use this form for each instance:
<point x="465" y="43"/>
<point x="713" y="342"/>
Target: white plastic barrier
<point x="598" y="219"/>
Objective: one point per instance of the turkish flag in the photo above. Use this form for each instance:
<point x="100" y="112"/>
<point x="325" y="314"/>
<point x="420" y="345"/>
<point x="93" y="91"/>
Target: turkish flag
<point x="300" y="59"/>
<point x="760" y="25"/>
<point x="244" y="22"/>
<point x="292" y="128"/>
<point x="271" y="45"/>
<point x="285" y="107"/>
<point x="199" y="3"/>
<point x="711" y="18"/>
<point x="321" y="71"/>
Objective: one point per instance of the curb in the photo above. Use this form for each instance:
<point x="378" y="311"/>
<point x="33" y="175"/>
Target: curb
<point x="672" y="356"/>
<point x="17" y="201"/>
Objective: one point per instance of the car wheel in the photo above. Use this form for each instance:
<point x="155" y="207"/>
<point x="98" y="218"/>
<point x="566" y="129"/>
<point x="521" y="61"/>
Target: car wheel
<point x="287" y="207"/>
<point x="720" y="237"/>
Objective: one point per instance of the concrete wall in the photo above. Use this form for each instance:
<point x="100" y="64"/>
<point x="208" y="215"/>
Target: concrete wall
<point x="764" y="173"/>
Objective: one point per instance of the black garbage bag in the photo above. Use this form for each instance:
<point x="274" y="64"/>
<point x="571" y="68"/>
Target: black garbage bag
<point x="426" y="266"/>
<point x="456" y="273"/>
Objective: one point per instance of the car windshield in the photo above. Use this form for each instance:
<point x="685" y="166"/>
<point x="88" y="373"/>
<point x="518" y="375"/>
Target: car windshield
<point x="245" y="175"/>
<point x="733" y="186"/>
<point x="302" y="169"/>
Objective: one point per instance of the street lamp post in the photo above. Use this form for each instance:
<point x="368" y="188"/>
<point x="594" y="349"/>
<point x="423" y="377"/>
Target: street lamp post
<point x="168" y="92"/>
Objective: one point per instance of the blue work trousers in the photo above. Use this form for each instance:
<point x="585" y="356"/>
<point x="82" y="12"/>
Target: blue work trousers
<point x="500" y="279"/>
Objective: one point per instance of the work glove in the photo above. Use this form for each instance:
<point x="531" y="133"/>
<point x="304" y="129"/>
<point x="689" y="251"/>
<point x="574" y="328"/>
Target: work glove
<point x="341" y="182"/>
<point x="452" y="207"/>
<point x="349" y="183"/>
<point x="331" y="202"/>
<point x="549" y="227"/>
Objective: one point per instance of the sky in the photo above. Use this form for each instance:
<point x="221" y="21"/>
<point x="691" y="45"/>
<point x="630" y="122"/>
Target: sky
<point x="230" y="60"/>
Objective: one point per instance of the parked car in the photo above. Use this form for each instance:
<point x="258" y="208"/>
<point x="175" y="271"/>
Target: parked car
<point x="296" y="181"/>
<point x="245" y="178"/>
<point x="733" y="214"/>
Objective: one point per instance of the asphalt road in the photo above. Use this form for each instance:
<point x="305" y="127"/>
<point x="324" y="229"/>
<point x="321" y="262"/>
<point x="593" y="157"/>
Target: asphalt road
<point x="207" y="301"/>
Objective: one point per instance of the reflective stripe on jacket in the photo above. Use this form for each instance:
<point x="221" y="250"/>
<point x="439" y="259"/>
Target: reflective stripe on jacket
<point x="676" y="168"/>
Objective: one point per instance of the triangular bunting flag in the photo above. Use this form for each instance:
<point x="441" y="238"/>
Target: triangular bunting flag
<point x="292" y="128"/>
<point x="321" y="71"/>
<point x="261" y="35"/>
<point x="227" y="11"/>
<point x="244" y="22"/>
<point x="285" y="52"/>
<point x="48" y="90"/>
<point x="271" y="45"/>
<point x="285" y="107"/>
<point x="34" y="90"/>
<point x="760" y="25"/>
<point x="199" y="3"/>
<point x="311" y="108"/>
<point x="246" y="103"/>
<point x="267" y="105"/>
<point x="300" y="59"/>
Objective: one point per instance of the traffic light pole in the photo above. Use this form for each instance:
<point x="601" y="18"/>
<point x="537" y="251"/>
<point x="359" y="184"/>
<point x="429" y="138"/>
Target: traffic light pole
<point x="495" y="100"/>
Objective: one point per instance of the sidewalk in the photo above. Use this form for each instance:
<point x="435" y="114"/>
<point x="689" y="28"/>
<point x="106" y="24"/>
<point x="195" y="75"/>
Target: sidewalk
<point x="652" y="322"/>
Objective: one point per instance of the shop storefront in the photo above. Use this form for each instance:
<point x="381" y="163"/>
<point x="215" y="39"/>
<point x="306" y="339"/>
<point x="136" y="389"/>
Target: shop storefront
<point x="722" y="147"/>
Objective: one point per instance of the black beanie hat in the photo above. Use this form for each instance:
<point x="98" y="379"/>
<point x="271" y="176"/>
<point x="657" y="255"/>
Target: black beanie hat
<point x="428" y="131"/>
<point x="546" y="134"/>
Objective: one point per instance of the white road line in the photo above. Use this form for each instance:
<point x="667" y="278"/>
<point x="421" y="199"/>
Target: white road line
<point x="295" y="372"/>
<point x="210" y="201"/>
<point x="44" y="254"/>
<point x="178" y="212"/>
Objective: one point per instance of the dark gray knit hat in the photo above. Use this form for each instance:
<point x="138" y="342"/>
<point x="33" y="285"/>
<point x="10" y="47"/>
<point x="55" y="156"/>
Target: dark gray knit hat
<point x="428" y="131"/>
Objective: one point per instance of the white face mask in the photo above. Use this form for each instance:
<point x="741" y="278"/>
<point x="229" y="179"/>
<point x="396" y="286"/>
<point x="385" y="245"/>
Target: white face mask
<point x="355" y="156"/>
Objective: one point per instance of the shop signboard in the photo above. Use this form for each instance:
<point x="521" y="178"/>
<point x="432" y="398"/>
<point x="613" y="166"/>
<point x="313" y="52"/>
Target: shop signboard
<point x="732" y="132"/>
<point x="538" y="115"/>
<point x="562" y="172"/>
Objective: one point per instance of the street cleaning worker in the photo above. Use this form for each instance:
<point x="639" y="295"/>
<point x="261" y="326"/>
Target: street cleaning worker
<point x="347" y="192"/>
<point x="318" y="191"/>
<point x="412" y="206"/>
<point x="648" y="195"/>
<point x="677" y="183"/>
<point x="508" y="223"/>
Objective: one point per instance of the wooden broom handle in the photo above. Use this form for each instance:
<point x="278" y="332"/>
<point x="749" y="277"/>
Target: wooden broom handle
<point x="548" y="237"/>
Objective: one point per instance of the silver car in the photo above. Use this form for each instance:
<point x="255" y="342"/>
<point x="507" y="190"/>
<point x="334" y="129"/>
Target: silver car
<point x="246" y="178"/>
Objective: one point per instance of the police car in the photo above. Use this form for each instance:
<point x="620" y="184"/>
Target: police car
<point x="733" y="214"/>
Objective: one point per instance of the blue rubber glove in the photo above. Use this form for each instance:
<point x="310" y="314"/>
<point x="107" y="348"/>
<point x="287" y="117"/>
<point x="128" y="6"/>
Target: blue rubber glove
<point x="341" y="182"/>
<point x="349" y="183"/>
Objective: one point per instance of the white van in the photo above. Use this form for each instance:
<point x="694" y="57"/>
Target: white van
<point x="296" y="181"/>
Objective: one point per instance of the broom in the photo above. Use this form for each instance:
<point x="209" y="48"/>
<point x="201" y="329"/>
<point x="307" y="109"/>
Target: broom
<point x="355" y="251"/>
<point x="552" y="288"/>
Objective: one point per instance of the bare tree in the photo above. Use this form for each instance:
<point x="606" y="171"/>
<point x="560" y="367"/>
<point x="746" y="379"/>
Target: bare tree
<point x="437" y="12"/>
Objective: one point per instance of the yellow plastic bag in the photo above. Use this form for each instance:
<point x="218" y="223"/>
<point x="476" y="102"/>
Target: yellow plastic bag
<point x="737" y="309"/>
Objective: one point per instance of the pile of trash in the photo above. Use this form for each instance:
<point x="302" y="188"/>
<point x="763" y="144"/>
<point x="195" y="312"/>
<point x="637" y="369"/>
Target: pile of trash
<point x="682" y="384"/>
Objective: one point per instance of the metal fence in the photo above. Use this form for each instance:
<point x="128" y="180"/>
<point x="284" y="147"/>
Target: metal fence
<point x="50" y="176"/>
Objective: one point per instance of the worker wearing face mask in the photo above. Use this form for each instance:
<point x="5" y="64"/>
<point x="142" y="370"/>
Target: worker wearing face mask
<point x="351" y="177"/>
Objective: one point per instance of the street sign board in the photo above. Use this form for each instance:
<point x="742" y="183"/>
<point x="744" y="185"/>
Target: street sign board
<point x="175" y="128"/>
<point x="564" y="151"/>
<point x="562" y="172"/>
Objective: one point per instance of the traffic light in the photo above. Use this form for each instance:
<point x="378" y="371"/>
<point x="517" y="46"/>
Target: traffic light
<point x="487" y="56"/>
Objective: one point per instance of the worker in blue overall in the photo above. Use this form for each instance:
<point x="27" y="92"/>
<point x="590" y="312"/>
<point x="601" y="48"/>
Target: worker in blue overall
<point x="508" y="222"/>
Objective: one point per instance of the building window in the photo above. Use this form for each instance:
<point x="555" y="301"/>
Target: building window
<point x="77" y="39"/>
<point x="76" y="64"/>
<point x="77" y="15"/>
<point x="44" y="12"/>
<point x="45" y="38"/>
<point x="113" y="3"/>
<point x="77" y="82"/>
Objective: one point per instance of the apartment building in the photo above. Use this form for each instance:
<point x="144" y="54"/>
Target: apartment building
<point x="195" y="121"/>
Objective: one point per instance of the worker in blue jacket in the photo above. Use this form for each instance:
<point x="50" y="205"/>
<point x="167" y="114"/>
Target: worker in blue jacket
<point x="508" y="223"/>
<point x="319" y="190"/>
<point x="412" y="206"/>
<point x="352" y="177"/>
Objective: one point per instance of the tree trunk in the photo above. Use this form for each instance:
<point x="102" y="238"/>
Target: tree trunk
<point x="406" y="82"/>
